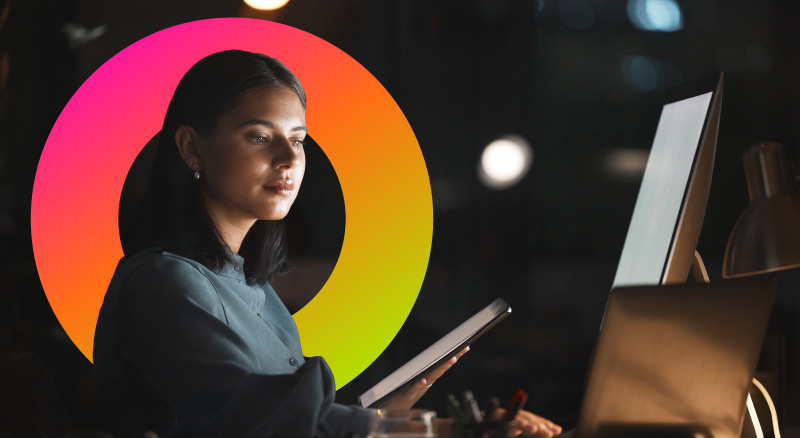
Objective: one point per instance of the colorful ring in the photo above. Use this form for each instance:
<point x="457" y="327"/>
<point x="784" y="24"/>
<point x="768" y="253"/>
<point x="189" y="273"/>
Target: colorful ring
<point x="363" y="132"/>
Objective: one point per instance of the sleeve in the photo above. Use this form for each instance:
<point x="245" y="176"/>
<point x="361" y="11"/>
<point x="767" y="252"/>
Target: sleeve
<point x="173" y="331"/>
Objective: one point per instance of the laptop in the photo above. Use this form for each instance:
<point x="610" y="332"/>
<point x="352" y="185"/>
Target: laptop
<point x="676" y="360"/>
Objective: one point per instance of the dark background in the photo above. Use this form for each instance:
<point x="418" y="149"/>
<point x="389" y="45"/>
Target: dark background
<point x="573" y="77"/>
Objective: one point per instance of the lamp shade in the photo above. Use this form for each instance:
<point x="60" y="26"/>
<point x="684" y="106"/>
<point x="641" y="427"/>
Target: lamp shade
<point x="766" y="237"/>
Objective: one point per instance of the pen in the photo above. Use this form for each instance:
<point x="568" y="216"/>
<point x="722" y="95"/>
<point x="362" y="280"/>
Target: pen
<point x="454" y="409"/>
<point x="493" y="404"/>
<point x="515" y="404"/>
<point x="471" y="407"/>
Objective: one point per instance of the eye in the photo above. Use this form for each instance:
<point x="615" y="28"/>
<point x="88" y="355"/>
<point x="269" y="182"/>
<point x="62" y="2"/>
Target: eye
<point x="258" y="138"/>
<point x="298" y="143"/>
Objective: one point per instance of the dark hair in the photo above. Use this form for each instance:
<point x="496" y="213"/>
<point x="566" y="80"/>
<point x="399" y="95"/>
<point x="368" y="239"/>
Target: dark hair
<point x="174" y="214"/>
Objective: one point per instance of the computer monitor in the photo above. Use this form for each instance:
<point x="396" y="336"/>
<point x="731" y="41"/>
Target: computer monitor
<point x="671" y="204"/>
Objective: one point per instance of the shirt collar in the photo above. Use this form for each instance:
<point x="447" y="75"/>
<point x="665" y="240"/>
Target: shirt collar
<point x="234" y="269"/>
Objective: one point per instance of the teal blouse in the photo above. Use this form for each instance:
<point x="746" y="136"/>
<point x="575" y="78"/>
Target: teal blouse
<point x="184" y="351"/>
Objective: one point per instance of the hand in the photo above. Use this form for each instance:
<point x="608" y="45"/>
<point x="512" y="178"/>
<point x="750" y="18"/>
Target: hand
<point x="407" y="398"/>
<point x="530" y="424"/>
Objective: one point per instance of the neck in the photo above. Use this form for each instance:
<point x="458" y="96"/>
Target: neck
<point x="233" y="238"/>
<point x="232" y="230"/>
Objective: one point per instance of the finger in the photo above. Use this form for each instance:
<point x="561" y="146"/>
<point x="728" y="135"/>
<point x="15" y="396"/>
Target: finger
<point x="497" y="414"/>
<point x="528" y="429"/>
<point x="536" y="429"/>
<point x="438" y="372"/>
<point x="545" y="432"/>
<point x="541" y="420"/>
<point x="533" y="424"/>
<point x="415" y="391"/>
<point x="422" y="385"/>
<point x="435" y="374"/>
<point x="519" y="428"/>
<point x="556" y="429"/>
<point x="407" y="398"/>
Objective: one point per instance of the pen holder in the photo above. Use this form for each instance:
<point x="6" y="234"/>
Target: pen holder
<point x="490" y="429"/>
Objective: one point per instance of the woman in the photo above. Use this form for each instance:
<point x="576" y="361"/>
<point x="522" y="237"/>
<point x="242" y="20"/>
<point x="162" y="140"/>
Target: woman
<point x="191" y="339"/>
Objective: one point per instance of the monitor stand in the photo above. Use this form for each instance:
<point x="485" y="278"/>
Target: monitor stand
<point x="699" y="269"/>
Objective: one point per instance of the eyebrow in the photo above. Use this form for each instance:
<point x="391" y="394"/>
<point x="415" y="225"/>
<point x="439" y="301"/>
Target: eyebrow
<point x="268" y="124"/>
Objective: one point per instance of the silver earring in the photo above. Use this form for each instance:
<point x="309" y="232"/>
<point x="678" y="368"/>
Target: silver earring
<point x="196" y="168"/>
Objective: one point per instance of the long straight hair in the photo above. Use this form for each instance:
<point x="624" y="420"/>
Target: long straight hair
<point x="173" y="212"/>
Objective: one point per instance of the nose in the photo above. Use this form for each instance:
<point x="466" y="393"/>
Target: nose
<point x="286" y="155"/>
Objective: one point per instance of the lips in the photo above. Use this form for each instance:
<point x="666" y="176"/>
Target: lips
<point x="283" y="186"/>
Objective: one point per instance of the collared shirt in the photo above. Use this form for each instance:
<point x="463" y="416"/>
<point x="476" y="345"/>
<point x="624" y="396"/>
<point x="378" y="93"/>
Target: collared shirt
<point x="184" y="351"/>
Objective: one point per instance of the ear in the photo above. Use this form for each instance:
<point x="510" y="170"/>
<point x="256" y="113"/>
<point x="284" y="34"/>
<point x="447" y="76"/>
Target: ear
<point x="187" y="139"/>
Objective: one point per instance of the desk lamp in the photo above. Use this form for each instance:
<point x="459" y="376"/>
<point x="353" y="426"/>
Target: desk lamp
<point x="766" y="238"/>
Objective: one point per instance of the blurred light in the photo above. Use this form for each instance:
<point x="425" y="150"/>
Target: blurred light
<point x="640" y="73"/>
<point x="626" y="163"/>
<point x="645" y="73"/>
<point x="266" y="5"/>
<point x="576" y="14"/>
<point x="505" y="162"/>
<point x="655" y="15"/>
<point x="78" y="35"/>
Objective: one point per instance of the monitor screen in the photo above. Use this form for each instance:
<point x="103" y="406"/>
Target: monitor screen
<point x="662" y="213"/>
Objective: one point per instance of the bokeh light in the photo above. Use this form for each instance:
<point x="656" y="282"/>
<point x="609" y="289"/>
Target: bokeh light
<point x="505" y="162"/>
<point x="646" y="73"/>
<point x="640" y="73"/>
<point x="266" y="5"/>
<point x="626" y="163"/>
<point x="655" y="15"/>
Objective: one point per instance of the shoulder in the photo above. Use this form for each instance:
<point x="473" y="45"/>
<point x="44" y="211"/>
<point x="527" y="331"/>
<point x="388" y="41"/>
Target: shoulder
<point x="164" y="268"/>
<point x="161" y="279"/>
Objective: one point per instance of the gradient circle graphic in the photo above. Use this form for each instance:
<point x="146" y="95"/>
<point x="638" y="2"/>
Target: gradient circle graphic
<point x="350" y="115"/>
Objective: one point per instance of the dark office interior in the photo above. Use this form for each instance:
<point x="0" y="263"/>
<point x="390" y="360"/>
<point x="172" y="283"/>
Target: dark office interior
<point x="580" y="80"/>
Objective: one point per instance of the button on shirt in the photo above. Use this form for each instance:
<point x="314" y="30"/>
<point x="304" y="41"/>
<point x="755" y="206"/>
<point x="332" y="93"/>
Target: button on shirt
<point x="184" y="351"/>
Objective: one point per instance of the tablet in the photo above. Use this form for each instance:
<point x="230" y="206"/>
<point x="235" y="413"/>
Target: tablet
<point x="437" y="354"/>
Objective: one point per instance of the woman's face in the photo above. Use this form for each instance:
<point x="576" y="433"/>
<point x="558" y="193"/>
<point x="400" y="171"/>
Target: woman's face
<point x="252" y="166"/>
